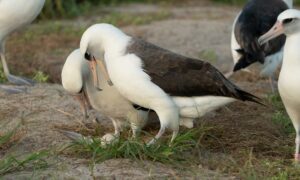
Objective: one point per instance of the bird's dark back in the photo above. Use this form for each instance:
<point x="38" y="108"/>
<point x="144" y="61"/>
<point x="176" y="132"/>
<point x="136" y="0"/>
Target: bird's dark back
<point x="257" y="18"/>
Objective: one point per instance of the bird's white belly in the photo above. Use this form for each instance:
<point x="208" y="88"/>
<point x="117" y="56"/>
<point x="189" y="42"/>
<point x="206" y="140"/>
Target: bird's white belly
<point x="196" y="107"/>
<point x="289" y="85"/>
<point x="108" y="101"/>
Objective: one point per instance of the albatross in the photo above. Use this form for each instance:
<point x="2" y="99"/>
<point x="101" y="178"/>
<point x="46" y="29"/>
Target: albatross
<point x="149" y="76"/>
<point x="256" y="18"/>
<point x="288" y="23"/>
<point x="77" y="80"/>
<point x="14" y="15"/>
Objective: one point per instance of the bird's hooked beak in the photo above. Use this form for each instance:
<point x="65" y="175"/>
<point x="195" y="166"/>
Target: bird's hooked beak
<point x="93" y="68"/>
<point x="274" y="32"/>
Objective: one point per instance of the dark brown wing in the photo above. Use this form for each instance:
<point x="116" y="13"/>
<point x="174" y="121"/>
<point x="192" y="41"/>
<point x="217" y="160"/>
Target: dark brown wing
<point x="181" y="76"/>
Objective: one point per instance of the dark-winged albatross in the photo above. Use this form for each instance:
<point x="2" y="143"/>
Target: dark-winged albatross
<point x="148" y="75"/>
<point x="78" y="81"/>
<point x="255" y="19"/>
<point x="14" y="15"/>
<point x="288" y="23"/>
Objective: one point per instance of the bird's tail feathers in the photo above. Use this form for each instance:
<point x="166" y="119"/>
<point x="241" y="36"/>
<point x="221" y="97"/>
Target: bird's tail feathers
<point x="245" y="96"/>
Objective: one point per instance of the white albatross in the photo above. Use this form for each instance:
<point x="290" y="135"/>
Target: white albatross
<point x="149" y="76"/>
<point x="77" y="79"/>
<point x="14" y="15"/>
<point x="256" y="18"/>
<point x="288" y="23"/>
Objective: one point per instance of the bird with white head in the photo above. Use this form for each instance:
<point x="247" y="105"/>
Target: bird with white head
<point x="288" y="23"/>
<point x="77" y="80"/>
<point x="149" y="76"/>
<point x="256" y="18"/>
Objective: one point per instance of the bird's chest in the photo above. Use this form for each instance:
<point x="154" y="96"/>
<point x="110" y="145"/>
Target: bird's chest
<point x="132" y="81"/>
<point x="126" y="73"/>
<point x="108" y="101"/>
<point x="289" y="84"/>
<point x="289" y="78"/>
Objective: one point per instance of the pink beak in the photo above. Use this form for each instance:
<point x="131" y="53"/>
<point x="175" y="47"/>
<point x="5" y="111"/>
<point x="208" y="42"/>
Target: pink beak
<point x="274" y="32"/>
<point x="93" y="67"/>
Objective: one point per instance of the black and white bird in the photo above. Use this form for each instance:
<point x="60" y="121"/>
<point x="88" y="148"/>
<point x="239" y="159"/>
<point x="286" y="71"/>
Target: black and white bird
<point x="77" y="79"/>
<point x="288" y="23"/>
<point x="149" y="76"/>
<point x="14" y="15"/>
<point x="256" y="18"/>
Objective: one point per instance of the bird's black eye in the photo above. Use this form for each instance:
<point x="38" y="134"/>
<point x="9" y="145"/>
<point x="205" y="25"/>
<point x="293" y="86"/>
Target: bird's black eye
<point x="88" y="56"/>
<point x="289" y="20"/>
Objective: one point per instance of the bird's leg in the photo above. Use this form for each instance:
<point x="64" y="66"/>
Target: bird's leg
<point x="174" y="135"/>
<point x="111" y="138"/>
<point x="82" y="100"/>
<point x="135" y="130"/>
<point x="137" y="119"/>
<point x="159" y="134"/>
<point x="6" y="88"/>
<point x="87" y="101"/>
<point x="117" y="127"/>
<point x="105" y="72"/>
<point x="3" y="60"/>
<point x="297" y="153"/>
<point x="168" y="115"/>
<point x="273" y="83"/>
<point x="11" y="78"/>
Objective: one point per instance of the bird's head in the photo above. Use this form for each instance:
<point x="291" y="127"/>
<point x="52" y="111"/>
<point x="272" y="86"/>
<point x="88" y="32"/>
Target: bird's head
<point x="288" y="23"/>
<point x="93" y="41"/>
<point x="97" y="41"/>
<point x="72" y="73"/>
<point x="92" y="46"/>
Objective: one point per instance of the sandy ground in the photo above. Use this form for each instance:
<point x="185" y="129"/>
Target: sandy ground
<point x="190" y="30"/>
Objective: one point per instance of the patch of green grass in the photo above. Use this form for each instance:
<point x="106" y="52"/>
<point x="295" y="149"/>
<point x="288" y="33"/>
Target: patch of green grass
<point x="123" y="19"/>
<point x="283" y="175"/>
<point x="282" y="119"/>
<point x="52" y="27"/>
<point x="5" y="138"/>
<point x="179" y="151"/>
<point x="280" y="116"/>
<point x="32" y="161"/>
<point x="11" y="163"/>
<point x="208" y="55"/>
<point x="72" y="8"/>
<point x="270" y="169"/>
<point x="41" y="77"/>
